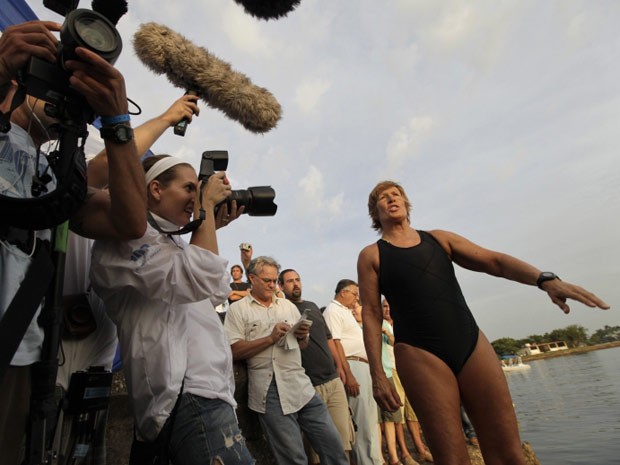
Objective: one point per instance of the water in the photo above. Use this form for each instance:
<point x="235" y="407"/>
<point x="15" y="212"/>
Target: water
<point x="569" y="408"/>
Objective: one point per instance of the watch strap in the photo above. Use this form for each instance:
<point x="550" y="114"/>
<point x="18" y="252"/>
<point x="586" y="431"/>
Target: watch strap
<point x="545" y="276"/>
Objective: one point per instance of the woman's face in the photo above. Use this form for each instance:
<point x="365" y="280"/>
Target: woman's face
<point x="175" y="201"/>
<point x="391" y="205"/>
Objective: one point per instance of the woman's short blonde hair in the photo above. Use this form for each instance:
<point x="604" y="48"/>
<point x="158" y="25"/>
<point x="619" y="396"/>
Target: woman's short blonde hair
<point x="373" y="198"/>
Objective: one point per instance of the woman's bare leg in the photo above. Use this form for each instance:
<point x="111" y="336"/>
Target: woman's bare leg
<point x="488" y="404"/>
<point x="433" y="391"/>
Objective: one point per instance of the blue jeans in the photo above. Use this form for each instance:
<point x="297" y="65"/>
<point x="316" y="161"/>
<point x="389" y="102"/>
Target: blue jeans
<point x="206" y="430"/>
<point x="284" y="433"/>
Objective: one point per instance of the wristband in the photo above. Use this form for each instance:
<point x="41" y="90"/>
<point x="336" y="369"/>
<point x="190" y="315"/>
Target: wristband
<point x="111" y="120"/>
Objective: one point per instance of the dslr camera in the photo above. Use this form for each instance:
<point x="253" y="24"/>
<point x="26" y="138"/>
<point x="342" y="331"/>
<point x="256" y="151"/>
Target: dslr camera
<point x="258" y="201"/>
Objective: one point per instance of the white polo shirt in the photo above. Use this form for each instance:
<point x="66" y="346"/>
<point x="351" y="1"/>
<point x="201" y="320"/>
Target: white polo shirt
<point x="345" y="327"/>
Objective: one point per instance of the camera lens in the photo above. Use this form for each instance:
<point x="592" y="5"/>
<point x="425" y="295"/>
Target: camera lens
<point x="96" y="34"/>
<point x="91" y="30"/>
<point x="258" y="200"/>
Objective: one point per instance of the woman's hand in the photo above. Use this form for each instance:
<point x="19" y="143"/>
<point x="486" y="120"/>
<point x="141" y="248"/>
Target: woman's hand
<point x="216" y="190"/>
<point x="223" y="217"/>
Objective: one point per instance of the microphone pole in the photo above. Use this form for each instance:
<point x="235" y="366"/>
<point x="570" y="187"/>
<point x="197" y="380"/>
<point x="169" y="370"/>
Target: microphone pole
<point x="181" y="126"/>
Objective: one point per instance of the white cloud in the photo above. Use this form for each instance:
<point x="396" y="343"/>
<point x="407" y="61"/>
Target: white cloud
<point x="455" y="25"/>
<point x="245" y="33"/>
<point x="309" y="93"/>
<point x="313" y="200"/>
<point x="405" y="141"/>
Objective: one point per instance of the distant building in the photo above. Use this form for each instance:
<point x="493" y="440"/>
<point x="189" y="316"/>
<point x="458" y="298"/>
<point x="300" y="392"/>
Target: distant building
<point x="542" y="347"/>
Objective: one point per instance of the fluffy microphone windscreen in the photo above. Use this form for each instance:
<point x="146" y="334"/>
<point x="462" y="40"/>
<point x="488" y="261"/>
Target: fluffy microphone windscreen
<point x="268" y="9"/>
<point x="193" y="68"/>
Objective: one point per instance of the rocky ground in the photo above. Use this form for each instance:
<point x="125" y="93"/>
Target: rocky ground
<point x="119" y="434"/>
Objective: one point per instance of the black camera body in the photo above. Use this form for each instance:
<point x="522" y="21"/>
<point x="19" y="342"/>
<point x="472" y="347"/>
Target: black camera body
<point x="88" y="391"/>
<point x="257" y="200"/>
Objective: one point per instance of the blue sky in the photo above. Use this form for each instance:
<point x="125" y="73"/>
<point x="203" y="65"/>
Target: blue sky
<point x="500" y="119"/>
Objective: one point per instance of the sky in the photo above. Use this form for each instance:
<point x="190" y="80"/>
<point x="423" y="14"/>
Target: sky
<point x="500" y="120"/>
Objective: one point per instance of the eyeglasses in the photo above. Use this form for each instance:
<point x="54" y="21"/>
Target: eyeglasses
<point x="267" y="280"/>
<point x="355" y="293"/>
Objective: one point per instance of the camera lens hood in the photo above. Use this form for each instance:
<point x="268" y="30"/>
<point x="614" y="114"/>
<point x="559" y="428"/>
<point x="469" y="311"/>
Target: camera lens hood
<point x="91" y="30"/>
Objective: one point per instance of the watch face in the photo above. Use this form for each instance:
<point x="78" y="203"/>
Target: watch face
<point x="124" y="133"/>
<point x="121" y="133"/>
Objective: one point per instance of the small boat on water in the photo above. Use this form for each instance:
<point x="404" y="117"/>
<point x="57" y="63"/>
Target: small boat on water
<point x="513" y="363"/>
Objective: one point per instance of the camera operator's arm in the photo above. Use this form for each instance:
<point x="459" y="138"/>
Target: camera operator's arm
<point x="20" y="42"/>
<point x="145" y="136"/>
<point x="121" y="214"/>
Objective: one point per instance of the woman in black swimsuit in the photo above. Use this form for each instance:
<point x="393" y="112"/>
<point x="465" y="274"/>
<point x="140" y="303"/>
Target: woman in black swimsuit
<point x="442" y="357"/>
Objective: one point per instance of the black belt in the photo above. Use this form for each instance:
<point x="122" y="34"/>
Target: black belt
<point x="21" y="238"/>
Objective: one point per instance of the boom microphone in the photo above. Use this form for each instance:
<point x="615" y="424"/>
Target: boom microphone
<point x="267" y="9"/>
<point x="193" y="68"/>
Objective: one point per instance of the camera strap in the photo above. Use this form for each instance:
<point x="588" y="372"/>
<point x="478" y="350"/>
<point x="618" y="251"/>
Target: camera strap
<point x="5" y="118"/>
<point x="25" y="303"/>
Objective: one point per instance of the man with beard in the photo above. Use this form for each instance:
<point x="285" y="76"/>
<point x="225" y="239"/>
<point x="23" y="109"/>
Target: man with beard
<point x="321" y="362"/>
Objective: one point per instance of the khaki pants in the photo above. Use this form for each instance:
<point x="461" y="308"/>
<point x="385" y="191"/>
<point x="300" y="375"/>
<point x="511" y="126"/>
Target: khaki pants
<point x="335" y="397"/>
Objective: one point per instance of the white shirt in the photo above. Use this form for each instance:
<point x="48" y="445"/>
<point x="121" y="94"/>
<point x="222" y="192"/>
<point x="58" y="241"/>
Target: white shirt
<point x="249" y="320"/>
<point x="161" y="292"/>
<point x="17" y="167"/>
<point x="343" y="326"/>
<point x="98" y="348"/>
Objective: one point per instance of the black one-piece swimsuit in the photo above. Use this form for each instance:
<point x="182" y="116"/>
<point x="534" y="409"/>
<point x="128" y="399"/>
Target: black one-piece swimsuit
<point x="426" y="302"/>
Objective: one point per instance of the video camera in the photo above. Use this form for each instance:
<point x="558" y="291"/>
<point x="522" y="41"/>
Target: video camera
<point x="50" y="83"/>
<point x="258" y="200"/>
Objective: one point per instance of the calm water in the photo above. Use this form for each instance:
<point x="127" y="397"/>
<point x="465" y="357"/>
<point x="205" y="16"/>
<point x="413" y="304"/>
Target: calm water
<point x="569" y="408"/>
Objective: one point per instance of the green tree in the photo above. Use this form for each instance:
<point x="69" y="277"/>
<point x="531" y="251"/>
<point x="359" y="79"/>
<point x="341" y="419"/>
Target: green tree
<point x="573" y="335"/>
<point x="506" y="346"/>
<point x="606" y="334"/>
<point x="536" y="338"/>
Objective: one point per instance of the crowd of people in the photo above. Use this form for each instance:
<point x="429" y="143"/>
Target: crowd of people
<point x="326" y="385"/>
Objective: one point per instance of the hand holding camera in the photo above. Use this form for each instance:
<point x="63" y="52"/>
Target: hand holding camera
<point x="99" y="82"/>
<point x="21" y="42"/>
<point x="214" y="191"/>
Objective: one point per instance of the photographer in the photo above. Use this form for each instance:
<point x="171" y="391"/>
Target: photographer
<point x="161" y="292"/>
<point x="98" y="347"/>
<point x="115" y="214"/>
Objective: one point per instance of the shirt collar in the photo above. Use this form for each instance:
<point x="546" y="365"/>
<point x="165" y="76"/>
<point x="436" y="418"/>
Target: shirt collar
<point x="334" y="301"/>
<point x="274" y="300"/>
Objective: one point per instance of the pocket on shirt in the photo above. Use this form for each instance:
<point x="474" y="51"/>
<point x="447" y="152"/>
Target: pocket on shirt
<point x="258" y="329"/>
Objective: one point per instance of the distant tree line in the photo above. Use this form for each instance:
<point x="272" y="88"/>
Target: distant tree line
<point x="573" y="335"/>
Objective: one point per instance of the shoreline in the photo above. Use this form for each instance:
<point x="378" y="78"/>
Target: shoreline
<point x="573" y="351"/>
